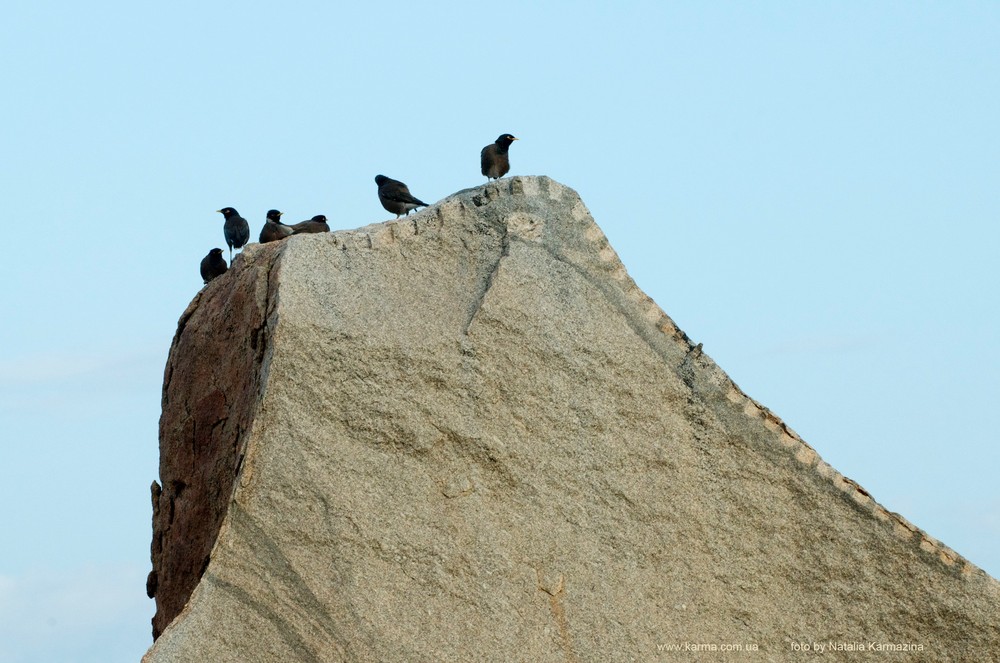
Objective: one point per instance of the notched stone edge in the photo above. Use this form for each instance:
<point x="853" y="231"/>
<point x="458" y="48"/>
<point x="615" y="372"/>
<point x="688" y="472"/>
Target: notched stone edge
<point x="787" y="438"/>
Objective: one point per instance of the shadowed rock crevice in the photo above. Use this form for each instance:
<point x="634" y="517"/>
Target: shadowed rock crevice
<point x="468" y="435"/>
<point x="488" y="283"/>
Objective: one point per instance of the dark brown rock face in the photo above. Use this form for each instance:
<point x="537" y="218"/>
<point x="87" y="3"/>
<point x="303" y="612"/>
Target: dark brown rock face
<point x="210" y="394"/>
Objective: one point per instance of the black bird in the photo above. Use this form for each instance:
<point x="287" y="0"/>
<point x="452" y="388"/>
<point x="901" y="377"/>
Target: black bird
<point x="237" y="230"/>
<point x="493" y="159"/>
<point x="317" y="224"/>
<point x="395" y="196"/>
<point x="213" y="265"/>
<point x="274" y="229"/>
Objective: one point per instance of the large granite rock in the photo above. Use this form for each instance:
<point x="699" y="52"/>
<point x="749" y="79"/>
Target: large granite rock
<point x="467" y="435"/>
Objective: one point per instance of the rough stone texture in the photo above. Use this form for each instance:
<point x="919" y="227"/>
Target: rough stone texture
<point x="467" y="435"/>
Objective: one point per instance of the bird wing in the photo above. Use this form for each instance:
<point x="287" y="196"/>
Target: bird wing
<point x="237" y="231"/>
<point x="486" y="157"/>
<point x="401" y="194"/>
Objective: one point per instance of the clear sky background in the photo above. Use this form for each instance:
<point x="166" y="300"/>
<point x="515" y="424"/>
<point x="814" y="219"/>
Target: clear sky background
<point x="809" y="189"/>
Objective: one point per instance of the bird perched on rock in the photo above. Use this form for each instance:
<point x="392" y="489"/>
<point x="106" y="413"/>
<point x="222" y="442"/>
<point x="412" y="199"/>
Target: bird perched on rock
<point x="213" y="265"/>
<point x="494" y="160"/>
<point x="317" y="224"/>
<point x="274" y="229"/>
<point x="236" y="229"/>
<point x="395" y="196"/>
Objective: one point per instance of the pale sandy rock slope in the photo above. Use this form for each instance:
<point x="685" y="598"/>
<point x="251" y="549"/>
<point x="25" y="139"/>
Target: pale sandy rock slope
<point x="467" y="435"/>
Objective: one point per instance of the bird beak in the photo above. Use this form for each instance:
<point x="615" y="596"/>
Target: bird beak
<point x="219" y="211"/>
<point x="515" y="139"/>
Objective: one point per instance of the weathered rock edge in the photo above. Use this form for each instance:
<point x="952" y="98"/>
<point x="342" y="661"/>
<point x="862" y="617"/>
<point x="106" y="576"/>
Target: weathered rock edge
<point x="213" y="391"/>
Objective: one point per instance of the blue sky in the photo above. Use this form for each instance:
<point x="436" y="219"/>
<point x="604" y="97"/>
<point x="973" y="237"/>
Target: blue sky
<point x="809" y="189"/>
